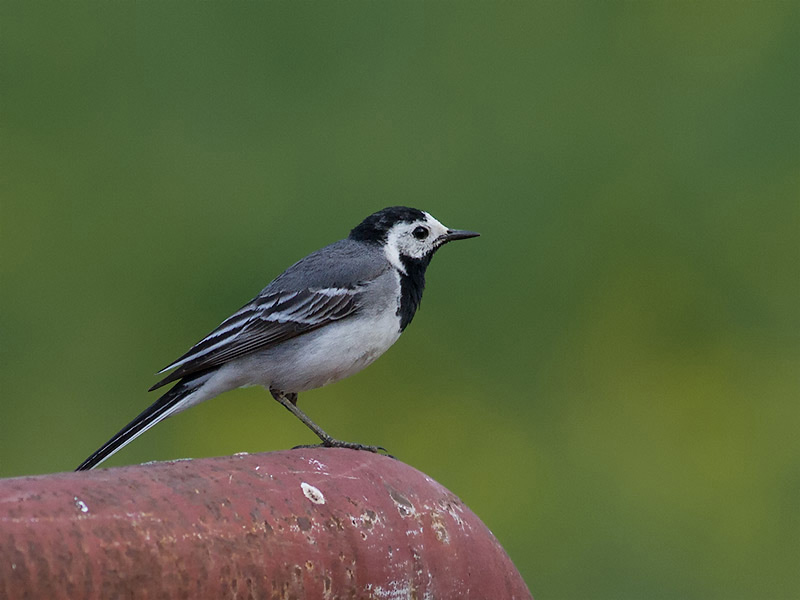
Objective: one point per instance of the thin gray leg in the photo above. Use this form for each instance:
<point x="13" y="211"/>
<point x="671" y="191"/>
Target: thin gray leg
<point x="289" y="401"/>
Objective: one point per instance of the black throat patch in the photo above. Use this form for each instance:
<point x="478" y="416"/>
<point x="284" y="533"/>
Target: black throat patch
<point x="412" y="284"/>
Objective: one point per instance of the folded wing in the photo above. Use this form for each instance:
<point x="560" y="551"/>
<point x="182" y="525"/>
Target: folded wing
<point x="267" y="320"/>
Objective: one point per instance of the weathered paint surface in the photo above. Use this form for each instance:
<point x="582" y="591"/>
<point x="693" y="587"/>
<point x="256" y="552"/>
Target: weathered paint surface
<point x="306" y="523"/>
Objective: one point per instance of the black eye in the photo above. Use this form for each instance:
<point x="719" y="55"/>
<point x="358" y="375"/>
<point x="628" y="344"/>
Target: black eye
<point x="420" y="232"/>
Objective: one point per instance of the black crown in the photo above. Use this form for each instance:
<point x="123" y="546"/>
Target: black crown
<point x="376" y="226"/>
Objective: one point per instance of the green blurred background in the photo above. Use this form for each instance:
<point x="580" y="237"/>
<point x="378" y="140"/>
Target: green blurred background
<point x="608" y="376"/>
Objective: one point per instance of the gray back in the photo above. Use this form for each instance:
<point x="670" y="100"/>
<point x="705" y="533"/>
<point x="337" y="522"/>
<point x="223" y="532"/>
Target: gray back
<point x="342" y="264"/>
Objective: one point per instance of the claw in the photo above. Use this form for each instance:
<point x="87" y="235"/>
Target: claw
<point x="350" y="445"/>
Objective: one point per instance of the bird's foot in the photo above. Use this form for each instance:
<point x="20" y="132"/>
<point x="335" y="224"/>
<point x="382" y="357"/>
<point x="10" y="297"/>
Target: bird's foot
<point x="332" y="443"/>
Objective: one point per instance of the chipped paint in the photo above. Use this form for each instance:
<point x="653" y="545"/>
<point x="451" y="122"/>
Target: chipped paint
<point x="318" y="465"/>
<point x="312" y="493"/>
<point x="439" y="527"/>
<point x="404" y="505"/>
<point x="394" y="590"/>
<point x="369" y="518"/>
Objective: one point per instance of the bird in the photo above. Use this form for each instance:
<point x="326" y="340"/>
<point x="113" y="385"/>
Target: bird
<point x="325" y="318"/>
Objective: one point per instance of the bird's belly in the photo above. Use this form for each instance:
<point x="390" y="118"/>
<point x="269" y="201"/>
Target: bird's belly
<point x="329" y="354"/>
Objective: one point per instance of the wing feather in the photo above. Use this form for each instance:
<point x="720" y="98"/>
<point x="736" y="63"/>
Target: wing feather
<point x="269" y="319"/>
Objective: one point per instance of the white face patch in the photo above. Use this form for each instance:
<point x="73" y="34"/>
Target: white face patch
<point x="414" y="240"/>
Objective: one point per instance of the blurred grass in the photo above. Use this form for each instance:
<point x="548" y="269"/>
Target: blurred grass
<point x="608" y="376"/>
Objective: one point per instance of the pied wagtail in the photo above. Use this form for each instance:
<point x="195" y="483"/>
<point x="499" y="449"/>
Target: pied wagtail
<point x="326" y="317"/>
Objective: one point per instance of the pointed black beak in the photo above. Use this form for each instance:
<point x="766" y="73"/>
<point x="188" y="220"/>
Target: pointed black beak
<point x="459" y="234"/>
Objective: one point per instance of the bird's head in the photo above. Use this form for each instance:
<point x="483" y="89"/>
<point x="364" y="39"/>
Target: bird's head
<point x="406" y="234"/>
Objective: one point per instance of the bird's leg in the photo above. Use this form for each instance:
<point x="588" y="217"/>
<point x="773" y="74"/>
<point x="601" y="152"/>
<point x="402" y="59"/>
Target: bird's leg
<point x="289" y="401"/>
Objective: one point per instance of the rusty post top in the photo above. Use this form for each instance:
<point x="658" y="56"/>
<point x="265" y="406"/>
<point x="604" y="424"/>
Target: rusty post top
<point x="305" y="523"/>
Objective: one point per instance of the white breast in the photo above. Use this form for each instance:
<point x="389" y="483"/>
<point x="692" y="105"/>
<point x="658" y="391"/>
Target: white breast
<point x="334" y="352"/>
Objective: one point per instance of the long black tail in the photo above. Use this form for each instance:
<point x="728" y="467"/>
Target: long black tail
<point x="165" y="406"/>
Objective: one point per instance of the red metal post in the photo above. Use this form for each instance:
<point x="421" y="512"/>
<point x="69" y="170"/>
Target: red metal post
<point x="309" y="523"/>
